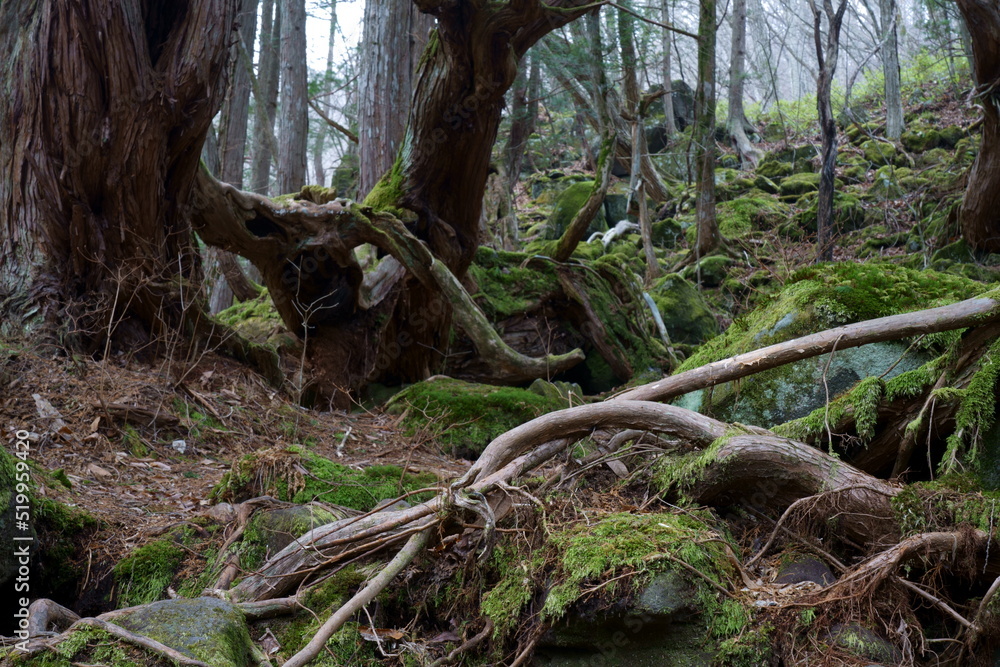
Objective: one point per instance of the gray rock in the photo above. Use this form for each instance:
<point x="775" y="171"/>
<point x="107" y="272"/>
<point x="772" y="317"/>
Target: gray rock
<point x="207" y="629"/>
<point x="805" y="568"/>
<point x="864" y="643"/>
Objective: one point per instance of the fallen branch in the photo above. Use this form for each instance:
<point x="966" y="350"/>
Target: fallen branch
<point x="971" y="312"/>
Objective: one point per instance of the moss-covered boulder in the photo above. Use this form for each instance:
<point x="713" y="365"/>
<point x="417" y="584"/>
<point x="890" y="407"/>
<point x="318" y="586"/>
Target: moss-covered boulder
<point x="207" y="629"/>
<point x="797" y="185"/>
<point x="567" y="205"/>
<point x="711" y="270"/>
<point x="816" y="299"/>
<point x="256" y="320"/>
<point x="295" y="474"/>
<point x="889" y="182"/>
<point x="278" y="527"/>
<point x="765" y="184"/>
<point x="951" y="135"/>
<point x="686" y="315"/>
<point x="667" y="232"/>
<point x="756" y="211"/>
<point x="662" y="615"/>
<point x="463" y="417"/>
<point x="920" y="139"/>
<point x="934" y="157"/>
<point x="858" y="133"/>
<point x="880" y="153"/>
<point x="774" y="169"/>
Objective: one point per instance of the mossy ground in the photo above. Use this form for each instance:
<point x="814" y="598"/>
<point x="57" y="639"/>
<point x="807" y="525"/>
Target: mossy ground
<point x="279" y="473"/>
<point x="463" y="417"/>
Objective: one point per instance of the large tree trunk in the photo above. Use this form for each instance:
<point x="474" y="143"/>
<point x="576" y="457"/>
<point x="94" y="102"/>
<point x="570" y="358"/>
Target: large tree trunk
<point x="319" y="144"/>
<point x="395" y="34"/>
<point x="386" y="325"/>
<point x="826" y="57"/>
<point x="104" y="110"/>
<point x="294" y="126"/>
<point x="982" y="197"/>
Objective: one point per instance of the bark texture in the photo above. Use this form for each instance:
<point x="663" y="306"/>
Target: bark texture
<point x="106" y="106"/>
<point x="266" y="95"/>
<point x="294" y="126"/>
<point x="395" y="34"/>
<point x="736" y="123"/>
<point x="890" y="67"/>
<point x="982" y="197"/>
<point x="708" y="237"/>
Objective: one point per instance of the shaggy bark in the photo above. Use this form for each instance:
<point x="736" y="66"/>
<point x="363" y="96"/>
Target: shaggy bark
<point x="982" y="197"/>
<point x="106" y="110"/>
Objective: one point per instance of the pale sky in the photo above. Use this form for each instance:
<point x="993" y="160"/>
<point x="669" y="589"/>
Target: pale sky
<point x="349" y="14"/>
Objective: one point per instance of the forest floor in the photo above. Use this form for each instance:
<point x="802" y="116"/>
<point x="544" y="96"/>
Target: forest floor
<point x="121" y="465"/>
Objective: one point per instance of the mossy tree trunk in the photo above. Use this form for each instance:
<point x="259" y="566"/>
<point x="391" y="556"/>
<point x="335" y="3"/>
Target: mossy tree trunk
<point x="104" y="111"/>
<point x="982" y="198"/>
<point x="708" y="236"/>
<point x="387" y="325"/>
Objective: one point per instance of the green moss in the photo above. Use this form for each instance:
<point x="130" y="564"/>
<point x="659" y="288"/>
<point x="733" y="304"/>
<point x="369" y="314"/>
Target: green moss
<point x="145" y="574"/>
<point x="388" y="192"/>
<point x="464" y="416"/>
<point x="569" y="204"/>
<point x="799" y="184"/>
<point x="507" y="286"/>
<point x="279" y="472"/>
<point x="261" y="308"/>
<point x="975" y="416"/>
<point x="685" y="313"/>
<point x="90" y="645"/>
<point x="752" y="648"/>
<point x="740" y="216"/>
<point x="645" y="544"/>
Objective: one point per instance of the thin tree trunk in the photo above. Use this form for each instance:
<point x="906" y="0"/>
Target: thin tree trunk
<point x="827" y="60"/>
<point x="294" y="126"/>
<point x="319" y="144"/>
<point x="736" y="123"/>
<point x="890" y="66"/>
<point x="668" y="86"/>
<point x="232" y="151"/>
<point x="524" y="112"/>
<point x="267" y="102"/>
<point x="637" y="186"/>
<point x="708" y="236"/>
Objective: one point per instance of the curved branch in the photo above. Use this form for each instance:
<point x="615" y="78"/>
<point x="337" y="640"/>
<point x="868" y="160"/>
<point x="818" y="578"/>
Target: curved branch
<point x="970" y="312"/>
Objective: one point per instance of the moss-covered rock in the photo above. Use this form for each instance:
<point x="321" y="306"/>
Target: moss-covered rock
<point x="765" y="184"/>
<point x="774" y="169"/>
<point x="686" y="315"/>
<point x="508" y="287"/>
<point x="567" y="205"/>
<point x="920" y="139"/>
<point x="738" y="217"/>
<point x="816" y="299"/>
<point x="256" y="320"/>
<point x="858" y="133"/>
<point x="880" y="153"/>
<point x="207" y="629"/>
<point x="463" y="417"/>
<point x="951" y="135"/>
<point x="660" y="616"/>
<point x="295" y="474"/>
<point x="933" y="157"/>
<point x="893" y="182"/>
<point x="799" y="184"/>
<point x="667" y="232"/>
<point x="711" y="270"/>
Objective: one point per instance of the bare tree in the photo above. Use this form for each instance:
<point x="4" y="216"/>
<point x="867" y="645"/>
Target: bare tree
<point x="890" y="66"/>
<point x="319" y="143"/>
<point x="826" y="58"/>
<point x="736" y="123"/>
<point x="668" y="86"/>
